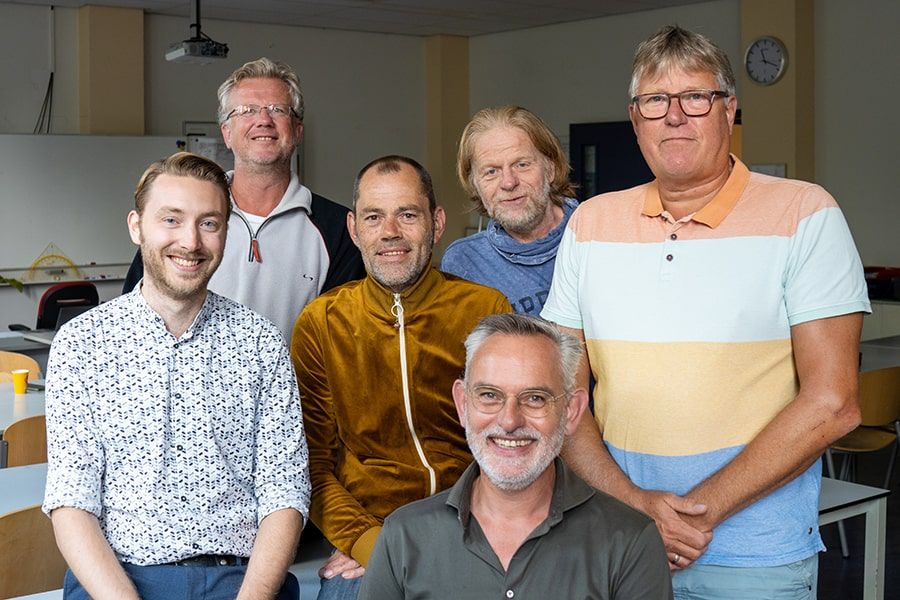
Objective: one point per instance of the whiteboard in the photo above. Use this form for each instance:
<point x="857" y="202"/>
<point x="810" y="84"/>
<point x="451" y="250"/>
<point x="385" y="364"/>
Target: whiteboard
<point x="72" y="190"/>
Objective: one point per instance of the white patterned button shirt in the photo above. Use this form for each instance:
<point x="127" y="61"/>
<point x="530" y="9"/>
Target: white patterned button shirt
<point x="179" y="446"/>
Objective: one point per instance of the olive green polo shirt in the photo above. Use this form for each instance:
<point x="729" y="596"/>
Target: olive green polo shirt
<point x="590" y="546"/>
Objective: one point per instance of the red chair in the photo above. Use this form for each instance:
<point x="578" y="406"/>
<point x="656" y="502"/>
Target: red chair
<point x="67" y="297"/>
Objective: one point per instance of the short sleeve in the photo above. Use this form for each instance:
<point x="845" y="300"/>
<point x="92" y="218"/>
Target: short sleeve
<point x="824" y="275"/>
<point x="563" y="306"/>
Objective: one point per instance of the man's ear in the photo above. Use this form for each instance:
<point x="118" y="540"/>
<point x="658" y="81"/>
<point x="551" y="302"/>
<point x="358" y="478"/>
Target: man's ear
<point x="226" y="131"/>
<point x="459" y="399"/>
<point x="440" y="221"/>
<point x="134" y="226"/>
<point x="351" y="227"/>
<point x="577" y="406"/>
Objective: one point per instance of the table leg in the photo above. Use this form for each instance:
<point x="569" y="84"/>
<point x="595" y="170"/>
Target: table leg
<point x="876" y="523"/>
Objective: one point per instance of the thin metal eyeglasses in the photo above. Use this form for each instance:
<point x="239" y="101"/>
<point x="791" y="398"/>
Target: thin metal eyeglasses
<point x="276" y="111"/>
<point x="533" y="403"/>
<point x="693" y="103"/>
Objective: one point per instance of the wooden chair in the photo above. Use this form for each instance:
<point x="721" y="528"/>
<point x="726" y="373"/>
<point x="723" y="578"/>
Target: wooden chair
<point x="31" y="562"/>
<point x="10" y="361"/>
<point x="27" y="441"/>
<point x="879" y="404"/>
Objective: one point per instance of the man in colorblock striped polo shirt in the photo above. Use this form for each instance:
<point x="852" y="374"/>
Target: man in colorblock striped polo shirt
<point x="721" y="310"/>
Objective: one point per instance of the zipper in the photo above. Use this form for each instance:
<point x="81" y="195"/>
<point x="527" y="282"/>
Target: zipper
<point x="254" y="254"/>
<point x="397" y="311"/>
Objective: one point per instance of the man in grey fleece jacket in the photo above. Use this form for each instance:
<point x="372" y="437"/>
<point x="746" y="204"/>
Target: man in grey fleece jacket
<point x="286" y="245"/>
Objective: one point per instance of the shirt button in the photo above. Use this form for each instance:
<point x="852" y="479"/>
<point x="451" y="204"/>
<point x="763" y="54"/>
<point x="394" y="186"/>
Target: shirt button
<point x="674" y="236"/>
<point x="510" y="593"/>
<point x="178" y="396"/>
<point x="180" y="448"/>
<point x="184" y="498"/>
<point x="669" y="257"/>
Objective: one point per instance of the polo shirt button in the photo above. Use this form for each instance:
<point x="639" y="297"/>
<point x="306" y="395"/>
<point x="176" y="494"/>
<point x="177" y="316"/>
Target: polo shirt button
<point x="669" y="257"/>
<point x="510" y="593"/>
<point x="674" y="236"/>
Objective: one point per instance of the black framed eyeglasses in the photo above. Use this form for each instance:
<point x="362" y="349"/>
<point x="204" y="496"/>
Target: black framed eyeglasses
<point x="276" y="111"/>
<point x="533" y="403"/>
<point x="693" y="103"/>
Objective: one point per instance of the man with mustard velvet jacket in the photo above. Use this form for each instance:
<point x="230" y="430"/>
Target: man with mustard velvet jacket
<point x="376" y="360"/>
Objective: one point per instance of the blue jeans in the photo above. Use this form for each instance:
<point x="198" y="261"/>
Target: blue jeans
<point x="794" y="581"/>
<point x="168" y="582"/>
<point x="338" y="588"/>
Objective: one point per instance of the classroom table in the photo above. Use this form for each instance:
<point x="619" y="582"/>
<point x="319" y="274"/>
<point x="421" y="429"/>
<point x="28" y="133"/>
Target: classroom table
<point x="841" y="500"/>
<point x="22" y="487"/>
<point x="14" y="341"/>
<point x="885" y="342"/>
<point x="880" y="354"/>
<point x="14" y="407"/>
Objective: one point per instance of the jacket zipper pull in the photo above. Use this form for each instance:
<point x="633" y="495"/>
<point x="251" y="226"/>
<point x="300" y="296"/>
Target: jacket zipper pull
<point x="254" y="249"/>
<point x="397" y="311"/>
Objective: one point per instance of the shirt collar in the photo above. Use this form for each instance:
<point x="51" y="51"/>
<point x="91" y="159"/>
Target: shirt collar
<point x="415" y="295"/>
<point x="716" y="209"/>
<point x="569" y="491"/>
<point x="154" y="320"/>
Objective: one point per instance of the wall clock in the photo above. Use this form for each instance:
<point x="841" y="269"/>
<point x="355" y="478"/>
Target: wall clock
<point x="765" y="60"/>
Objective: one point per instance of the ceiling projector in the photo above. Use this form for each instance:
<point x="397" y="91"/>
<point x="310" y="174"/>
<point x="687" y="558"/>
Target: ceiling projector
<point x="196" y="51"/>
<point x="199" y="49"/>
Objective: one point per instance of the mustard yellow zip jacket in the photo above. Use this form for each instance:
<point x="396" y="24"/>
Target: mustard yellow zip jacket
<point x="378" y="441"/>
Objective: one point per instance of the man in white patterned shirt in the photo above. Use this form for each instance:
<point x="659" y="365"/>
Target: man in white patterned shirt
<point x="177" y="458"/>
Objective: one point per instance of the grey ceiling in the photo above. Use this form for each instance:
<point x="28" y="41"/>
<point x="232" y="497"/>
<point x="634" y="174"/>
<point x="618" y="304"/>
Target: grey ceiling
<point x="410" y="17"/>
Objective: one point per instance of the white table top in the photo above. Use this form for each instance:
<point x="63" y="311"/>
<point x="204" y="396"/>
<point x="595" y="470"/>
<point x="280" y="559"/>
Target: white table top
<point x="886" y="342"/>
<point x="838" y="494"/>
<point x="22" y="487"/>
<point x="14" y="407"/>
<point x="877" y="354"/>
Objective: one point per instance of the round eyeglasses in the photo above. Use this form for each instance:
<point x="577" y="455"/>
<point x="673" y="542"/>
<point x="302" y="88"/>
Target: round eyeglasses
<point x="693" y="103"/>
<point x="533" y="403"/>
<point x="247" y="111"/>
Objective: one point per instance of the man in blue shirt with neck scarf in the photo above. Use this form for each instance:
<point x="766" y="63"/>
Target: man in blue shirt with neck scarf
<point x="514" y="170"/>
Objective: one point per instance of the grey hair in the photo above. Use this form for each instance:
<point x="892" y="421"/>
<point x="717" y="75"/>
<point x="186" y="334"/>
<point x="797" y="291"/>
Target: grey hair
<point x="673" y="46"/>
<point x="262" y="68"/>
<point x="568" y="347"/>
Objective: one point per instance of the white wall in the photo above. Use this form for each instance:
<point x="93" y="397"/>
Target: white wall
<point x="364" y="92"/>
<point x="579" y="72"/>
<point x="25" y="44"/>
<point x="858" y="119"/>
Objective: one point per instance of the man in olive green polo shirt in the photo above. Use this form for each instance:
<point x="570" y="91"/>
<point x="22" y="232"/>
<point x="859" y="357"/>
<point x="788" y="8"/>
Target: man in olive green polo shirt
<point x="518" y="523"/>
